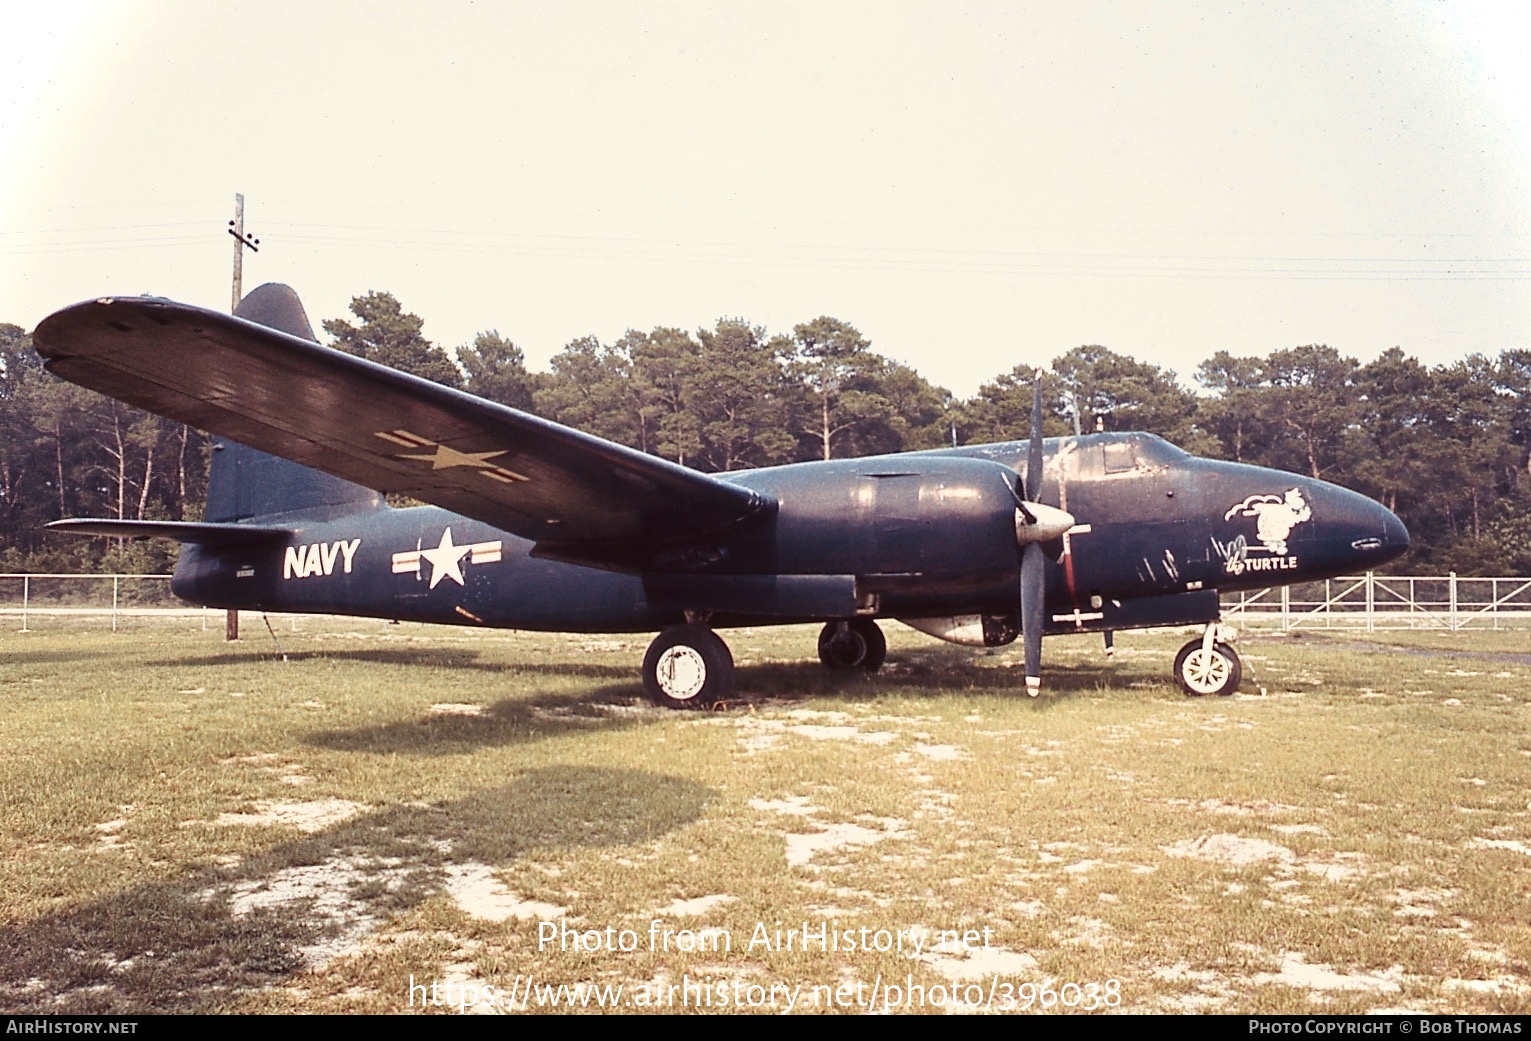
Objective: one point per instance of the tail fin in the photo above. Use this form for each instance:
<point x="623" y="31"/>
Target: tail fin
<point x="243" y="483"/>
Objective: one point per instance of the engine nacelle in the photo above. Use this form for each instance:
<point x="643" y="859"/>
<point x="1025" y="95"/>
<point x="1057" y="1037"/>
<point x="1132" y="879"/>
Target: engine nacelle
<point x="970" y="630"/>
<point x="949" y="521"/>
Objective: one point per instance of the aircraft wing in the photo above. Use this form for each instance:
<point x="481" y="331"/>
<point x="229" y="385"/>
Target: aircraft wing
<point x="576" y="495"/>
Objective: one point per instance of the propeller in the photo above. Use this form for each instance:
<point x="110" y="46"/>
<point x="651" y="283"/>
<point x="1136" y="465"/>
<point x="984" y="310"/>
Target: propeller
<point x="1035" y="523"/>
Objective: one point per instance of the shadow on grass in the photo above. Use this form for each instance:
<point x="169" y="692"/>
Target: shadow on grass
<point x="419" y="657"/>
<point x="14" y="657"/>
<point x="1327" y="642"/>
<point x="935" y="671"/>
<point x="194" y="944"/>
<point x="543" y="717"/>
<point x="512" y="721"/>
<point x="931" y="675"/>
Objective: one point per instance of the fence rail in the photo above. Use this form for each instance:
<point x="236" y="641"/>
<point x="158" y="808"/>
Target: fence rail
<point x="1374" y="602"/>
<point x="33" y="596"/>
<point x="1370" y="602"/>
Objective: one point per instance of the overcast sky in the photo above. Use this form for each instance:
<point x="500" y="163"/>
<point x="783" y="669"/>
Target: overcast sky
<point x="973" y="186"/>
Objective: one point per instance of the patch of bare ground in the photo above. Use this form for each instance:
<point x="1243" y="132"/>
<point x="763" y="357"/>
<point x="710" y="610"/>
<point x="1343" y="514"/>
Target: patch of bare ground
<point x="803" y="847"/>
<point x="336" y="896"/>
<point x="1296" y="972"/>
<point x="698" y="906"/>
<point x="1232" y="850"/>
<point x="961" y="964"/>
<point x="314" y="816"/>
<point x="110" y="832"/>
<point x="479" y="894"/>
<point x="455" y="708"/>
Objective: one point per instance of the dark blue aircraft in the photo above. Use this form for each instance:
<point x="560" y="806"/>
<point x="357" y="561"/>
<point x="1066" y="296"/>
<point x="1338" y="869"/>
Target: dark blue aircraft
<point x="533" y="525"/>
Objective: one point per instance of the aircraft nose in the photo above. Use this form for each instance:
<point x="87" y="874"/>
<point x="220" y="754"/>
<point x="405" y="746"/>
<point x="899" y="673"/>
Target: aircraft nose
<point x="1373" y="532"/>
<point x="1395" y="537"/>
<point x="1302" y="528"/>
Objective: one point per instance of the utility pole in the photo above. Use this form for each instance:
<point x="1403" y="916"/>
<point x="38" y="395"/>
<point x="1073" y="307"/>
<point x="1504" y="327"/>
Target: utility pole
<point x="241" y="241"/>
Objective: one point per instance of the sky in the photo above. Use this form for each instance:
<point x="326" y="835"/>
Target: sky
<point x="973" y="186"/>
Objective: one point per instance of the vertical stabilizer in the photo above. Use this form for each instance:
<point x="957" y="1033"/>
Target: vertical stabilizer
<point x="243" y="483"/>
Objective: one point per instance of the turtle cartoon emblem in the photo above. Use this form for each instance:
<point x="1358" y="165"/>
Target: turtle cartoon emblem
<point x="1277" y="516"/>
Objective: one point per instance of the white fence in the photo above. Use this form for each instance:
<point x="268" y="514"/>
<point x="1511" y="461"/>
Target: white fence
<point x="1368" y="602"/>
<point x="32" y="598"/>
<point x="1373" y="602"/>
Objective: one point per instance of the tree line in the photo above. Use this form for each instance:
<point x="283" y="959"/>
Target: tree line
<point x="1447" y="448"/>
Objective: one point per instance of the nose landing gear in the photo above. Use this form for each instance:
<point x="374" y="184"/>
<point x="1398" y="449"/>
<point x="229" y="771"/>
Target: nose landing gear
<point x="1207" y="666"/>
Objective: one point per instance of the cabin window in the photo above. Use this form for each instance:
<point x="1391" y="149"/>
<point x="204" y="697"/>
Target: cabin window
<point x="1119" y="457"/>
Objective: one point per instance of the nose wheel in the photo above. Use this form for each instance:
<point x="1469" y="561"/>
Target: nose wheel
<point x="854" y="644"/>
<point x="688" y="666"/>
<point x="1208" y="667"/>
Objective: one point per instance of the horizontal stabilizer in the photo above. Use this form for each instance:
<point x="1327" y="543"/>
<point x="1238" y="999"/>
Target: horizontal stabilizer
<point x="181" y="531"/>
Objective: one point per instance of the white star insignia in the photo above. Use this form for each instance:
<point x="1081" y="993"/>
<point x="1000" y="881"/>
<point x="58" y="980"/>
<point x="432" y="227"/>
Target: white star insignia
<point x="446" y="560"/>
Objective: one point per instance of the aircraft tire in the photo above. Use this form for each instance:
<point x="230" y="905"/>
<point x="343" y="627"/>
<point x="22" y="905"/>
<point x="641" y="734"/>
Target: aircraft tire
<point x="1201" y="674"/>
<point x="688" y="666"/>
<point x="861" y="646"/>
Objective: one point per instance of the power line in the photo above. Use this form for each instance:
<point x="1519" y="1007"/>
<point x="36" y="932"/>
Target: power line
<point x="659" y="249"/>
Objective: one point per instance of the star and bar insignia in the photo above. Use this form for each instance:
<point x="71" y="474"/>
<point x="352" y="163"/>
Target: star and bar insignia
<point x="446" y="559"/>
<point x="444" y="457"/>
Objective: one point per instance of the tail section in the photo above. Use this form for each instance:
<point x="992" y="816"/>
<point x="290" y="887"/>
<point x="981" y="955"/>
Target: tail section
<point x="243" y="483"/>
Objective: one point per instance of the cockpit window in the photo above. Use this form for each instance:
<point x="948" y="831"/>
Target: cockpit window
<point x="1108" y="454"/>
<point x="1119" y="457"/>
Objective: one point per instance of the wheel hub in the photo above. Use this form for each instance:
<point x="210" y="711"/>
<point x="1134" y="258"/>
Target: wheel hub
<point x="681" y="672"/>
<point x="1206" y="671"/>
<point x="848" y="649"/>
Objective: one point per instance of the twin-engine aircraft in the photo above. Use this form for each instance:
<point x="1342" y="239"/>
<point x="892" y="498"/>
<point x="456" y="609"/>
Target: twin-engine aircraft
<point x="533" y="525"/>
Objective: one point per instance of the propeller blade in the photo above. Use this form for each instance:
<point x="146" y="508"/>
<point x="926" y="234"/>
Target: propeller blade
<point x="1034" y="456"/>
<point x="1036" y="521"/>
<point x="1033" y="594"/>
<point x="1020" y="504"/>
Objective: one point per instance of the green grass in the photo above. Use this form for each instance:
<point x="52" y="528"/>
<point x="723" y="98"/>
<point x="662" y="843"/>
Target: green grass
<point x="1354" y="839"/>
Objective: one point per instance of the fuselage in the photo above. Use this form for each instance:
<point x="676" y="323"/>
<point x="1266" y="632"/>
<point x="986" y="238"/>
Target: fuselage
<point x="916" y="535"/>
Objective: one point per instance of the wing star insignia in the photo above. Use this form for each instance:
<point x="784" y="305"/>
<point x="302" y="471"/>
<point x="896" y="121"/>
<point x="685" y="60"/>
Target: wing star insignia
<point x="444" y="457"/>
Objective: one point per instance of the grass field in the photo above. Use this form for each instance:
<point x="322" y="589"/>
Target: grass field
<point x="195" y="826"/>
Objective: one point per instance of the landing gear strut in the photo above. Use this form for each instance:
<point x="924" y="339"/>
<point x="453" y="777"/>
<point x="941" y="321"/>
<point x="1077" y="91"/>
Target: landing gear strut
<point x="1208" y="666"/>
<point x="688" y="666"/>
<point x="854" y="644"/>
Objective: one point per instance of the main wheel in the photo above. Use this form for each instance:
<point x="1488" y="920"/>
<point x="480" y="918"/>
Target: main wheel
<point x="1201" y="673"/>
<point x="688" y="666"/>
<point x="856" y="644"/>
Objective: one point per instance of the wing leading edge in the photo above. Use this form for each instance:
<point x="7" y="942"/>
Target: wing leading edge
<point x="576" y="495"/>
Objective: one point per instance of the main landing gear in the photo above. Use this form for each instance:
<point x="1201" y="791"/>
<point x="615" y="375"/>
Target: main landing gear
<point x="688" y="666"/>
<point x="855" y="644"/>
<point x="1206" y="666"/>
